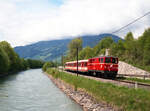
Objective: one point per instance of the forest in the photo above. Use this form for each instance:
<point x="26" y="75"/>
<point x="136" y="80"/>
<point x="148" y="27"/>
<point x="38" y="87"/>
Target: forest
<point x="10" y="62"/>
<point x="135" y="51"/>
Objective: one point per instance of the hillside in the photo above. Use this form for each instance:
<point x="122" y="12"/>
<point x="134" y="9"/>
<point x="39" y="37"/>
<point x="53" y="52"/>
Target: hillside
<point x="50" y="50"/>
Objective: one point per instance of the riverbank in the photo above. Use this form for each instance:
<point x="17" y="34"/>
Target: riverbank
<point x="118" y="97"/>
<point x="9" y="73"/>
<point x="80" y="96"/>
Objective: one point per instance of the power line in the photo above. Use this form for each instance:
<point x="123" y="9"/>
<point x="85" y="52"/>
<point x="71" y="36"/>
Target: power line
<point x="131" y="22"/>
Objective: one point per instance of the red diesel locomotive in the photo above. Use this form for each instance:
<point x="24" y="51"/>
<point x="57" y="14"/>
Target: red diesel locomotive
<point x="103" y="66"/>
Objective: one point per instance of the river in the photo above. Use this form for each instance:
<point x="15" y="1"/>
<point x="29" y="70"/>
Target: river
<point x="31" y="90"/>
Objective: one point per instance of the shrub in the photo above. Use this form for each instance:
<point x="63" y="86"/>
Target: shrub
<point x="47" y="65"/>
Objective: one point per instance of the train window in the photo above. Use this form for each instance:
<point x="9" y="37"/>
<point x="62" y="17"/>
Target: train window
<point x="114" y="60"/>
<point x="79" y="64"/>
<point x="91" y="60"/>
<point x="75" y="64"/>
<point x="85" y="64"/>
<point x="107" y="60"/>
<point x="102" y="60"/>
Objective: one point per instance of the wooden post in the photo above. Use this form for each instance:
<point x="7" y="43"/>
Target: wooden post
<point x="144" y="77"/>
<point x="136" y="85"/>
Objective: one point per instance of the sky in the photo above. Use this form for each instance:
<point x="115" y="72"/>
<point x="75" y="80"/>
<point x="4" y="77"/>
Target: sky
<point x="24" y="22"/>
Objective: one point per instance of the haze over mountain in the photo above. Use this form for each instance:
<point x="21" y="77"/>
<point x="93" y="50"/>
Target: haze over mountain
<point x="51" y="50"/>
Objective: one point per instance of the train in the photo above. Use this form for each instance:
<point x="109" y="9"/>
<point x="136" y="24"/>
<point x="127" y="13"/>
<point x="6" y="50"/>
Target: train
<point x="102" y="66"/>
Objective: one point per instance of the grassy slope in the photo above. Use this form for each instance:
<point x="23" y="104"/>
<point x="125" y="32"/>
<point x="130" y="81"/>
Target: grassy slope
<point x="124" y="98"/>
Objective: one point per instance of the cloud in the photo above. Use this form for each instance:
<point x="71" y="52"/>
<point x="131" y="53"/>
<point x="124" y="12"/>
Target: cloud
<point x="26" y="21"/>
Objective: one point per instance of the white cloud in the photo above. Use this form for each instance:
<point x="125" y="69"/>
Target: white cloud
<point x="34" y="20"/>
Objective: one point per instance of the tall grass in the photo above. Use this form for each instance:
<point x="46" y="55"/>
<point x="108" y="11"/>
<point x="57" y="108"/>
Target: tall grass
<point x="124" y="98"/>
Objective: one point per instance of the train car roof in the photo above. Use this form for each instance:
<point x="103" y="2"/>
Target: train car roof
<point x="78" y="61"/>
<point x="83" y="60"/>
<point x="71" y="62"/>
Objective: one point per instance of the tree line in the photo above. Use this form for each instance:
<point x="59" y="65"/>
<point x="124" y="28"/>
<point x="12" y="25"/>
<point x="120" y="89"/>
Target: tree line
<point x="11" y="62"/>
<point x="135" y="51"/>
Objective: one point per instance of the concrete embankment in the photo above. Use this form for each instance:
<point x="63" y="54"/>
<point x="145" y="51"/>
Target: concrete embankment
<point x="125" y="68"/>
<point x="87" y="102"/>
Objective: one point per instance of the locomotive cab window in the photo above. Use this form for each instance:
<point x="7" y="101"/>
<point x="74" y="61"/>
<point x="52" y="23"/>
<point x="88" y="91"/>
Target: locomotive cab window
<point x="90" y="60"/>
<point x="114" y="60"/>
<point x="101" y="60"/>
<point x="107" y="60"/>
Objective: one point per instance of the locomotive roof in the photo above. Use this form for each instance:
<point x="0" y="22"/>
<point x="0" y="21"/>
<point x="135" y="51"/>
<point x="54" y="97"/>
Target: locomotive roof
<point x="102" y="56"/>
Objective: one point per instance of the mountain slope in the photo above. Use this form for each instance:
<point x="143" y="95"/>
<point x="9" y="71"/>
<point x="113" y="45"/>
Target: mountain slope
<point x="50" y="50"/>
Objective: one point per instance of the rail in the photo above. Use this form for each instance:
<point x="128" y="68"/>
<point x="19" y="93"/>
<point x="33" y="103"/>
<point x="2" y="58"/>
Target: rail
<point x="133" y="75"/>
<point x="135" y="84"/>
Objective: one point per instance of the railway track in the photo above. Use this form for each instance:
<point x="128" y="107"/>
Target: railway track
<point x="126" y="83"/>
<point x="136" y="84"/>
<point x="134" y="75"/>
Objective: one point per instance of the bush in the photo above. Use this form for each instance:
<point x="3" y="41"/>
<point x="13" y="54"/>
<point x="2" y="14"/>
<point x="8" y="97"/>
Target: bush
<point x="47" y="65"/>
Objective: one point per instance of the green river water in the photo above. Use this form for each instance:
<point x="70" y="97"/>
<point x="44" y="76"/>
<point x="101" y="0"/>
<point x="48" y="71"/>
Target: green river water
<point x="31" y="90"/>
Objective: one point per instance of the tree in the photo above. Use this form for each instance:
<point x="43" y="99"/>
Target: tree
<point x="145" y="44"/>
<point x="73" y="45"/>
<point x="86" y="53"/>
<point x="11" y="62"/>
<point x="146" y="58"/>
<point x="129" y="37"/>
<point x="118" y="49"/>
<point x="47" y="65"/>
<point x="4" y="62"/>
<point x="130" y="49"/>
<point x="102" y="45"/>
<point x="35" y="63"/>
<point x="13" y="57"/>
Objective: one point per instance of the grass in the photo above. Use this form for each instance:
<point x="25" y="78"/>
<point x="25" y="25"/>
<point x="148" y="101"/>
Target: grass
<point x="147" y="81"/>
<point x="124" y="98"/>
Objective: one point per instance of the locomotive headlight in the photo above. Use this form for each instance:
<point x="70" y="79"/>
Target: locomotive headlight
<point x="100" y="66"/>
<point x="111" y="65"/>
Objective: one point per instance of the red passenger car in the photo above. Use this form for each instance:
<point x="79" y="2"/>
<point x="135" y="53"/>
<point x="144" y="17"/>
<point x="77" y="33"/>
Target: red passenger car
<point x="103" y="66"/>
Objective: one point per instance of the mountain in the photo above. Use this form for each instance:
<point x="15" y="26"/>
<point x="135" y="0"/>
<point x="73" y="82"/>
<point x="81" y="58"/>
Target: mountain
<point x="51" y="50"/>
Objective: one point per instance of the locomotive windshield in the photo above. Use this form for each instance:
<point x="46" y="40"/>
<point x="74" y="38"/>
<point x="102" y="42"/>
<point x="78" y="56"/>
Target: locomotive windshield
<point x="114" y="60"/>
<point x="111" y="60"/>
<point x="107" y="60"/>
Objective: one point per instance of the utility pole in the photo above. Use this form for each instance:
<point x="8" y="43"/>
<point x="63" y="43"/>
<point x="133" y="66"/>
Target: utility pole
<point x="56" y="63"/>
<point x="62" y="60"/>
<point x="77" y="61"/>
